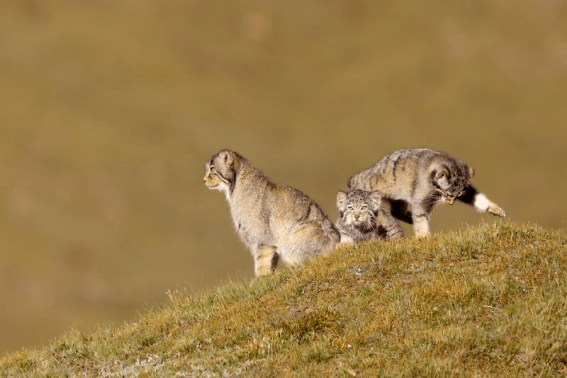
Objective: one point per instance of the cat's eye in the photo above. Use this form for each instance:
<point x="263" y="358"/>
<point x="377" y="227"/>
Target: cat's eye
<point x="350" y="207"/>
<point x="364" y="207"/>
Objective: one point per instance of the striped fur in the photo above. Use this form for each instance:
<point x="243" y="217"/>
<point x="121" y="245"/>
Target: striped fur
<point x="361" y="218"/>
<point x="422" y="178"/>
<point x="276" y="222"/>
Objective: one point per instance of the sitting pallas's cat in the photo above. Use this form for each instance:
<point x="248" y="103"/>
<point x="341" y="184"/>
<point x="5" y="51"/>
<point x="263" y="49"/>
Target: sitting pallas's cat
<point x="276" y="222"/>
<point x="361" y="218"/>
<point x="422" y="178"/>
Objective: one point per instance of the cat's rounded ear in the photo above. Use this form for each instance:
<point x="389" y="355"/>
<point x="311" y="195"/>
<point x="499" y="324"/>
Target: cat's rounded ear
<point x="442" y="172"/>
<point x="441" y="177"/>
<point x="375" y="200"/>
<point x="471" y="172"/>
<point x="341" y="200"/>
<point x="228" y="158"/>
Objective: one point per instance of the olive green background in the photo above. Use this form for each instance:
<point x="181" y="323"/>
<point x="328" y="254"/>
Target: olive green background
<point x="109" y="110"/>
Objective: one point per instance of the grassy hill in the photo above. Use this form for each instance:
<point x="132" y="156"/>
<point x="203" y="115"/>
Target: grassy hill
<point x="486" y="301"/>
<point x="110" y="108"/>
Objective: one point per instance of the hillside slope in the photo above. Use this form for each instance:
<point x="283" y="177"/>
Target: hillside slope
<point x="489" y="301"/>
<point x="109" y="110"/>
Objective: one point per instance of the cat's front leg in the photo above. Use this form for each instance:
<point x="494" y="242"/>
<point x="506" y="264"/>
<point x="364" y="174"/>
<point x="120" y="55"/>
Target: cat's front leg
<point x="480" y="202"/>
<point x="420" y="216"/>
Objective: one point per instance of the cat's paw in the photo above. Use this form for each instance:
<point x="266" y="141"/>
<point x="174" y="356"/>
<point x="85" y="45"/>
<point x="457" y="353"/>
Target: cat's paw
<point x="495" y="210"/>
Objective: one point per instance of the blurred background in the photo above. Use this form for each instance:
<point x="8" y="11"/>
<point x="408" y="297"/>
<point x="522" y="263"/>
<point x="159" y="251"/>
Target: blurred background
<point x="109" y="110"/>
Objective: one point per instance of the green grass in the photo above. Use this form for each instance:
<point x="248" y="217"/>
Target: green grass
<point x="486" y="301"/>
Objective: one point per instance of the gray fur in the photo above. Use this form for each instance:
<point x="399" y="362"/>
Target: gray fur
<point x="422" y="178"/>
<point x="361" y="218"/>
<point x="275" y="222"/>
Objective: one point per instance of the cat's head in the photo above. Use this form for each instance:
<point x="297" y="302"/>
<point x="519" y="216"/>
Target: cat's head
<point x="358" y="208"/>
<point x="451" y="178"/>
<point x="220" y="171"/>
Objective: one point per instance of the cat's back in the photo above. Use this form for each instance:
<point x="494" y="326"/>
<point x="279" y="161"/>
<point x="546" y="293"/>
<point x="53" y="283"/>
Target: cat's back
<point x="260" y="201"/>
<point x="395" y="170"/>
<point x="288" y="205"/>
